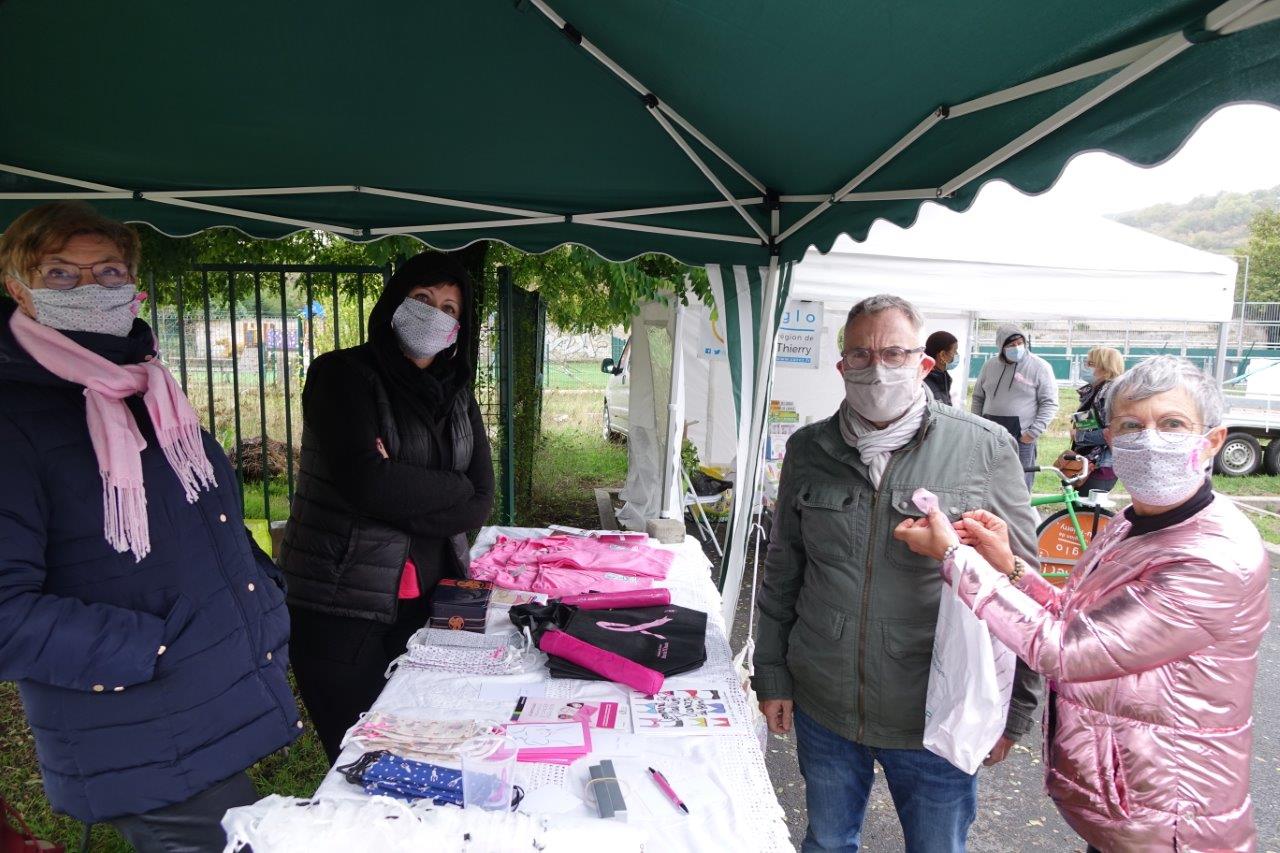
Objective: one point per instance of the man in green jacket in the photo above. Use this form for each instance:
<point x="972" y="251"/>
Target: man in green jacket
<point x="848" y="614"/>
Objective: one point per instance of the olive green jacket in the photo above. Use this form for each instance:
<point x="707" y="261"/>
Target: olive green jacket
<point x="847" y="612"/>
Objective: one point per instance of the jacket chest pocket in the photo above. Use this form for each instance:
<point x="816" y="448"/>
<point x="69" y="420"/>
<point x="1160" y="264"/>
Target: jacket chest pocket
<point x="827" y="514"/>
<point x="953" y="503"/>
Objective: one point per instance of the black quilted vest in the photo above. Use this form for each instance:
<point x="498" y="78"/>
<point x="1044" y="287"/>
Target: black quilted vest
<point x="345" y="564"/>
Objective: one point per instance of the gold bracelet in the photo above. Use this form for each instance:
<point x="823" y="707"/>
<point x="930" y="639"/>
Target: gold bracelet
<point x="1019" y="569"/>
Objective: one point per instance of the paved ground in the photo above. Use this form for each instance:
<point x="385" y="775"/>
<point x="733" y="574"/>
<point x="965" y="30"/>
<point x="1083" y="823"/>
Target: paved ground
<point x="1014" y="813"/>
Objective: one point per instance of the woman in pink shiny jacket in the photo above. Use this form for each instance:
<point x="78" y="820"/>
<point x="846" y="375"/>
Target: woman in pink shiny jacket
<point x="1151" y="649"/>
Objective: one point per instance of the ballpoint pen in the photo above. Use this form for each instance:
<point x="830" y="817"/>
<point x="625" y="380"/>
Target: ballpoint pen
<point x="665" y="787"/>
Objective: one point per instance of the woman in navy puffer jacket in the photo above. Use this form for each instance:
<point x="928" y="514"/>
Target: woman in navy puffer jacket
<point x="151" y="650"/>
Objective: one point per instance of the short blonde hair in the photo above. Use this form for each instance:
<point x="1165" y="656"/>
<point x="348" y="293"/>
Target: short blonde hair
<point x="1108" y="360"/>
<point x="47" y="228"/>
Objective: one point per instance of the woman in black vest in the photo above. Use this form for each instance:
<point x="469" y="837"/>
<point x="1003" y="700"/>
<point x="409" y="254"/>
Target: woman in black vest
<point x="395" y="470"/>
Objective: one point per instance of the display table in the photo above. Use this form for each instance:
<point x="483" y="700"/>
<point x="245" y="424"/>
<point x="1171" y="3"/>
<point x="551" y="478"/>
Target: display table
<point x="721" y="777"/>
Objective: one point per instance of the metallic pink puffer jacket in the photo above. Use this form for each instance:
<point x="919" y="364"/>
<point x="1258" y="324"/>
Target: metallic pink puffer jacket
<point x="1151" y="652"/>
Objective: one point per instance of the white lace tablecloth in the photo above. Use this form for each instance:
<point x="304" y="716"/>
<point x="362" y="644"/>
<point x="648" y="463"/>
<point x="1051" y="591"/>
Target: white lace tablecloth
<point x="722" y="778"/>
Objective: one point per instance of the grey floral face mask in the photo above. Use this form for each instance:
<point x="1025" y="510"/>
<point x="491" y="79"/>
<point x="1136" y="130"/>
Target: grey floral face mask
<point x="89" y="308"/>
<point x="423" y="331"/>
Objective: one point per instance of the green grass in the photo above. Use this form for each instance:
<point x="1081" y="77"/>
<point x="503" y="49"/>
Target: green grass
<point x="569" y="466"/>
<point x="576" y="375"/>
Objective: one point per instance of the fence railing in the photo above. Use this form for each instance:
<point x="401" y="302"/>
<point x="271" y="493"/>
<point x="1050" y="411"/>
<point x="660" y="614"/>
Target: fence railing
<point x="240" y="338"/>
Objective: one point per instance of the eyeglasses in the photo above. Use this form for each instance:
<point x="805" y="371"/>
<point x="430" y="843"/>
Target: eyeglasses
<point x="860" y="357"/>
<point x="1171" y="428"/>
<point x="60" y="275"/>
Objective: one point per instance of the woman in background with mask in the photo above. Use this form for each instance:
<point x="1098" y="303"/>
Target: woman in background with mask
<point x="395" y="470"/>
<point x="1104" y="365"/>
<point x="146" y="631"/>
<point x="1151" y="649"/>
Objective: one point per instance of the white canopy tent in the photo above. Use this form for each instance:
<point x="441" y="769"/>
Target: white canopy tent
<point x="1008" y="256"/>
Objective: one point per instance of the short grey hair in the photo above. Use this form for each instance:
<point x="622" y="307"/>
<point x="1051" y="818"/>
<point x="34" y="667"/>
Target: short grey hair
<point x="882" y="302"/>
<point x="1163" y="373"/>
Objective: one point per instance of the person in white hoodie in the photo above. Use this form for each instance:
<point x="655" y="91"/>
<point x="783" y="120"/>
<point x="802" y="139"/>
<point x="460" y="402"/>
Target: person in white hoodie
<point x="1016" y="389"/>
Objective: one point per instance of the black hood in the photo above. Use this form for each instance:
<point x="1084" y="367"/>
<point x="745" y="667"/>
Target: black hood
<point x="17" y="365"/>
<point x="451" y="370"/>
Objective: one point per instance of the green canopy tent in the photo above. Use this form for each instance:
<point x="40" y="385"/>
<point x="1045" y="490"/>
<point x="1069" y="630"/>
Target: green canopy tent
<point x="724" y="133"/>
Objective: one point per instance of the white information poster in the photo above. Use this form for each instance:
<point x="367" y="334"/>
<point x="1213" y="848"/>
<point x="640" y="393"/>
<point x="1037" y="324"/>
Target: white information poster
<point x="800" y="335"/>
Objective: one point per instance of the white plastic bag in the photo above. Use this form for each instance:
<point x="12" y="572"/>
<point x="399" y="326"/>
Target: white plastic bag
<point x="970" y="682"/>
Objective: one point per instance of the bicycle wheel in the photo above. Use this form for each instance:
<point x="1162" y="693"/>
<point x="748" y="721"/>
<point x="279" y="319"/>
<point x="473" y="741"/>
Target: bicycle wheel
<point x="1057" y="543"/>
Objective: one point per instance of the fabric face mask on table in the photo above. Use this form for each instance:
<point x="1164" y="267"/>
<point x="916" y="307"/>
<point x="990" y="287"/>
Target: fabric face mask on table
<point x="90" y="308"/>
<point x="880" y="393"/>
<point x="1159" y="468"/>
<point x="417" y="738"/>
<point x="423" y="331"/>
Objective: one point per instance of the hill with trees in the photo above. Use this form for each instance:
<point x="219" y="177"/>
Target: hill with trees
<point x="1215" y="223"/>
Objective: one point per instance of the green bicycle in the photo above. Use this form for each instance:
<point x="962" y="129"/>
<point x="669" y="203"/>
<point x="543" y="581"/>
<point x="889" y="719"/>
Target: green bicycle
<point x="1064" y="535"/>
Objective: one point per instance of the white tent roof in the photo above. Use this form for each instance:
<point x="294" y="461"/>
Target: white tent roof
<point x="1014" y="255"/>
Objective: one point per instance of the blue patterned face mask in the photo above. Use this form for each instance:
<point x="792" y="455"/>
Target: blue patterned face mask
<point x="384" y="773"/>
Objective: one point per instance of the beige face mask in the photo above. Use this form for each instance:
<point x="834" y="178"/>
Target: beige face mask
<point x="881" y="394"/>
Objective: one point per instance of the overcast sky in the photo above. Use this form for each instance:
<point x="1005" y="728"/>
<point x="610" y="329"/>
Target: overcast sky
<point x="1237" y="149"/>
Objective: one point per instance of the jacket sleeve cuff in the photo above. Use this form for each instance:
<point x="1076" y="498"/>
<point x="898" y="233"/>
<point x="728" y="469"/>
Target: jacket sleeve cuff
<point x="1017" y="724"/>
<point x="771" y="683"/>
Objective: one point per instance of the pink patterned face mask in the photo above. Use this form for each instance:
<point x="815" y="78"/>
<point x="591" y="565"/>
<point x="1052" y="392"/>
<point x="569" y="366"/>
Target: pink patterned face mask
<point x="423" y="331"/>
<point x="1160" y="468"/>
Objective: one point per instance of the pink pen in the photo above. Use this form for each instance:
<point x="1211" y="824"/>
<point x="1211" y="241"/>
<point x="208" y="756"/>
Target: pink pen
<point x="665" y="787"/>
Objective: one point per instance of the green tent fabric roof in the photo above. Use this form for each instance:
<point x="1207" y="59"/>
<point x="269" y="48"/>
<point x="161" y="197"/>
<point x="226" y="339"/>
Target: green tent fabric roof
<point x="405" y="115"/>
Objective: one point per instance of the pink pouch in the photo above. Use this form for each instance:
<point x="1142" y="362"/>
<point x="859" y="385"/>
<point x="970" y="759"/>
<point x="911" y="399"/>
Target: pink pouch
<point x="603" y="663"/>
<point x="925" y="500"/>
<point x="609" y="600"/>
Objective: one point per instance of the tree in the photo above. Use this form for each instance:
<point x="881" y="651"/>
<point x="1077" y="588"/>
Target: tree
<point x="582" y="291"/>
<point x="1263" y="250"/>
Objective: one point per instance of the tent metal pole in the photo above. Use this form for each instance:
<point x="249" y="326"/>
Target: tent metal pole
<point x="345" y="188"/>
<point x="709" y="175"/>
<point x="888" y="195"/>
<point x="875" y="166"/>
<point x="642" y="90"/>
<point x="1164" y="50"/>
<point x="671" y="208"/>
<point x="450" y="202"/>
<point x="658" y="229"/>
<point x="1074" y="74"/>
<point x="464" y="226"/>
<point x="86" y="196"/>
<point x="59" y="179"/>
<point x="1264" y="14"/>
<point x="250" y="214"/>
<point x="1220" y="363"/>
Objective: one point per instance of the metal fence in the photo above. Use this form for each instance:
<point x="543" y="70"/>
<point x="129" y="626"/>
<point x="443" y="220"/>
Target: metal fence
<point x="240" y="338"/>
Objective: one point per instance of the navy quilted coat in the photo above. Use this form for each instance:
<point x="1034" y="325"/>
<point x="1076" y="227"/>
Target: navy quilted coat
<point x="120" y="730"/>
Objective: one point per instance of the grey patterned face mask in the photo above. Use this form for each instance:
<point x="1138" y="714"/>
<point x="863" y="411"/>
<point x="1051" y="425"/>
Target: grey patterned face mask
<point x="423" y="331"/>
<point x="89" y="308"/>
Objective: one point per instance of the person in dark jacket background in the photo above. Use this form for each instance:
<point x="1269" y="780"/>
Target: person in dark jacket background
<point x="146" y="631"/>
<point x="942" y="347"/>
<point x="395" y="471"/>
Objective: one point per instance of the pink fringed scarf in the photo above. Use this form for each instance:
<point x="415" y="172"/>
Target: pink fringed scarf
<point x="116" y="440"/>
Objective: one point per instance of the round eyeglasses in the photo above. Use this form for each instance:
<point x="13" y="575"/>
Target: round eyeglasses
<point x="62" y="275"/>
<point x="859" y="357"/>
<point x="1171" y="428"/>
